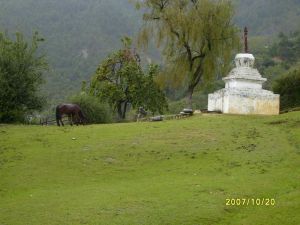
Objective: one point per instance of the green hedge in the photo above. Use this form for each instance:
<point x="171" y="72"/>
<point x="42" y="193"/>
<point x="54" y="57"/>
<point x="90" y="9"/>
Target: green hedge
<point x="288" y="86"/>
<point x="94" y="110"/>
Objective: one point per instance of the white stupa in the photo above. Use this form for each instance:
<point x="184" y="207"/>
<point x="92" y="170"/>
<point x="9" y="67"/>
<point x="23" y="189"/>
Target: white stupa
<point x="243" y="92"/>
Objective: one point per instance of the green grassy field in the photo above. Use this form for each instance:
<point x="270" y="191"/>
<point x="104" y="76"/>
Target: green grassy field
<point x="175" y="172"/>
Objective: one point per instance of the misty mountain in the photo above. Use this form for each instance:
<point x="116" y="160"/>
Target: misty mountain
<point x="268" y="17"/>
<point x="79" y="33"/>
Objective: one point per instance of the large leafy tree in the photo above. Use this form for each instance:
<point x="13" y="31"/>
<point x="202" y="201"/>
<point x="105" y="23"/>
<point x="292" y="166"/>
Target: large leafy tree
<point x="197" y="37"/>
<point x="120" y="80"/>
<point x="288" y="86"/>
<point x="21" y="69"/>
<point x="287" y="48"/>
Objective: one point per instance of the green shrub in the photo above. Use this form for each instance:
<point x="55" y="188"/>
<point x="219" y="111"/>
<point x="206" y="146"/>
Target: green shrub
<point x="199" y="102"/>
<point x="288" y="86"/>
<point x="94" y="110"/>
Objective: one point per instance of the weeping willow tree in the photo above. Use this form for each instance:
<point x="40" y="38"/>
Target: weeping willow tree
<point x="197" y="37"/>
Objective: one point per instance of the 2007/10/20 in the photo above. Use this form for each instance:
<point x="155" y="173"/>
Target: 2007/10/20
<point x="250" y="202"/>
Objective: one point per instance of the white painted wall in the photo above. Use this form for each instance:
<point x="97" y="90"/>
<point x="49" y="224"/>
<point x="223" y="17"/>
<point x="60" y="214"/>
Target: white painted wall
<point x="235" y="101"/>
<point x="243" y="84"/>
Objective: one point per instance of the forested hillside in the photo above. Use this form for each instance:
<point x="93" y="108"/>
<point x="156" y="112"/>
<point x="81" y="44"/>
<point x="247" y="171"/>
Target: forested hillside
<point x="268" y="17"/>
<point x="79" y="33"/>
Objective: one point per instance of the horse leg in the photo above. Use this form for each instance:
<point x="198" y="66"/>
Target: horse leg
<point x="61" y="121"/>
<point x="81" y="117"/>
<point x="58" y="118"/>
<point x="76" y="118"/>
<point x="70" y="117"/>
<point x="73" y="117"/>
<point x="57" y="115"/>
<point x="57" y="121"/>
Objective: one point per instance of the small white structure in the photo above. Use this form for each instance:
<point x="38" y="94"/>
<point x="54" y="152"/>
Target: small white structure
<point x="243" y="93"/>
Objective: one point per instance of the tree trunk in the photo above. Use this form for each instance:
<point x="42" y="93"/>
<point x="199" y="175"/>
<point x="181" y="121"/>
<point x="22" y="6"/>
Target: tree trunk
<point x="189" y="99"/>
<point x="193" y="84"/>
<point x="124" y="111"/>
<point x="122" y="108"/>
<point x="119" y="108"/>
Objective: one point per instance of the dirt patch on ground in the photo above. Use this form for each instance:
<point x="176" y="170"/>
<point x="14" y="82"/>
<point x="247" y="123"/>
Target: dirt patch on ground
<point x="277" y="122"/>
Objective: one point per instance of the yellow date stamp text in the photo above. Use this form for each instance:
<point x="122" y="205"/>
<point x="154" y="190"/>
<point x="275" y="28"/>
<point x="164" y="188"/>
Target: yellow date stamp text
<point x="250" y="202"/>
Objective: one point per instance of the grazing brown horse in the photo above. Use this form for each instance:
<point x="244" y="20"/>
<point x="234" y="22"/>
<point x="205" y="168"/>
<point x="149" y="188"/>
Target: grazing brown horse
<point x="73" y="111"/>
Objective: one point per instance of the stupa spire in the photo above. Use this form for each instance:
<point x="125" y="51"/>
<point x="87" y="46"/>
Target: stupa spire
<point x="246" y="39"/>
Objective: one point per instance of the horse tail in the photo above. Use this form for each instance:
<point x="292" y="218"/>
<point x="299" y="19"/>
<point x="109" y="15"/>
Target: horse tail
<point x="57" y="115"/>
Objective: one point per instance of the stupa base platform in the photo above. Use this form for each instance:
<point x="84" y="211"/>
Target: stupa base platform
<point x="244" y="101"/>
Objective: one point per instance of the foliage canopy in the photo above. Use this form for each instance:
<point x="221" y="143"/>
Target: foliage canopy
<point x="275" y="59"/>
<point x="21" y="69"/>
<point x="120" y="80"/>
<point x="288" y="86"/>
<point x="197" y="37"/>
<point x="288" y="47"/>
